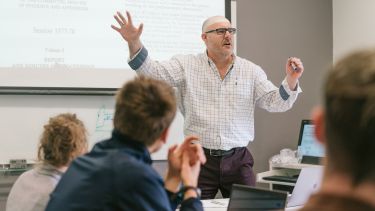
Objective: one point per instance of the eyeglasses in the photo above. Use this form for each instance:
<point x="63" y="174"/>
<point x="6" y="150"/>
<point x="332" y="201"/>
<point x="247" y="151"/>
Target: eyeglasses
<point x="222" y="31"/>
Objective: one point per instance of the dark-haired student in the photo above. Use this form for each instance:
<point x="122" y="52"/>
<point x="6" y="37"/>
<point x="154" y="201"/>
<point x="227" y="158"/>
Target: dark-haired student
<point x="117" y="173"/>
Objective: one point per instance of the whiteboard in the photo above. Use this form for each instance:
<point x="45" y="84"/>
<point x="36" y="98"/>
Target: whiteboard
<point x="23" y="117"/>
<point x="71" y="44"/>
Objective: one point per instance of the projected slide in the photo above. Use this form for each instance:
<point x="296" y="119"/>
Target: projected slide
<point x="74" y="35"/>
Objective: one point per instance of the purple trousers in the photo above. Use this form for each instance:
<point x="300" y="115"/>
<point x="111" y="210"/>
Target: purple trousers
<point x="220" y="172"/>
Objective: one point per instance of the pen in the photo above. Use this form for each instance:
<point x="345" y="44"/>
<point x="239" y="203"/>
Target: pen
<point x="293" y="66"/>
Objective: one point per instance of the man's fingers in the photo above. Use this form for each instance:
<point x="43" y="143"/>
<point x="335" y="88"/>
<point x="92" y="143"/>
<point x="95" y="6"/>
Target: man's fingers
<point x="188" y="141"/>
<point x="118" y="20"/>
<point x="115" y="28"/>
<point x="140" y="28"/>
<point x="172" y="148"/>
<point x="201" y="155"/>
<point x="196" y="154"/>
<point x="122" y="18"/>
<point x="191" y="140"/>
<point x="130" y="21"/>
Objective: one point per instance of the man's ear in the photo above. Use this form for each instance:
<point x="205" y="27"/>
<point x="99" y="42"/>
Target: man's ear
<point x="204" y="37"/>
<point x="164" y="135"/>
<point x="318" y="120"/>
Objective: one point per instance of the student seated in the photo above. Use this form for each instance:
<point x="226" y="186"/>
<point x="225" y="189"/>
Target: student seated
<point x="346" y="126"/>
<point x="63" y="139"/>
<point x="117" y="173"/>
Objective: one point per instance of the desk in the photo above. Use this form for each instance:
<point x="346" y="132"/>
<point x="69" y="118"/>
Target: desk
<point x="281" y="169"/>
<point x="222" y="204"/>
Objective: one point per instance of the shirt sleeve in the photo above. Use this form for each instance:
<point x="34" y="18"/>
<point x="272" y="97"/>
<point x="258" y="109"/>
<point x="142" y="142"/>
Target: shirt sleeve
<point x="271" y="98"/>
<point x="171" y="71"/>
<point x="143" y="189"/>
<point x="190" y="204"/>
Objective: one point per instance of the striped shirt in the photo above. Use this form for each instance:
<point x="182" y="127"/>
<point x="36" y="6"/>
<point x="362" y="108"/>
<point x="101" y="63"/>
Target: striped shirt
<point x="219" y="111"/>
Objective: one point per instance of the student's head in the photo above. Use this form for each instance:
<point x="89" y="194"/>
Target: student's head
<point x="217" y="34"/>
<point x="348" y="119"/>
<point x="145" y="108"/>
<point x="63" y="139"/>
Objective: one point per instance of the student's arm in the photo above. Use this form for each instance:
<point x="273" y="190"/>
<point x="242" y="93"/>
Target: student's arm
<point x="140" y="187"/>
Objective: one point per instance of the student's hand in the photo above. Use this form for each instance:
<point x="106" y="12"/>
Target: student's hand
<point x="175" y="154"/>
<point x="129" y="32"/>
<point x="189" y="174"/>
<point x="191" y="162"/>
<point x="294" y="69"/>
<point x="173" y="176"/>
<point x="174" y="162"/>
<point x="194" y="155"/>
<point x="192" y="147"/>
<point x="195" y="152"/>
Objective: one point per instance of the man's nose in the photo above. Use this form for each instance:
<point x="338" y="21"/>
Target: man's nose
<point x="227" y="34"/>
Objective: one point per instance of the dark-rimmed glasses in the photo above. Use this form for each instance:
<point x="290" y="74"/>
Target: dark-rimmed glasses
<point x="222" y="31"/>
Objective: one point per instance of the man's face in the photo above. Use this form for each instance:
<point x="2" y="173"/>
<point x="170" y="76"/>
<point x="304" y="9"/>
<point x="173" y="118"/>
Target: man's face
<point x="219" y="43"/>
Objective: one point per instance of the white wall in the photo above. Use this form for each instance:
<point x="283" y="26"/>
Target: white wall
<point x="353" y="25"/>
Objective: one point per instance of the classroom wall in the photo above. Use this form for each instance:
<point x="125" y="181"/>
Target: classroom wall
<point x="353" y="26"/>
<point x="270" y="32"/>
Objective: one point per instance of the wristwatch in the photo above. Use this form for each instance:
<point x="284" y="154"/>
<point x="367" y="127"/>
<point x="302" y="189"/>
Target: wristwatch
<point x="196" y="189"/>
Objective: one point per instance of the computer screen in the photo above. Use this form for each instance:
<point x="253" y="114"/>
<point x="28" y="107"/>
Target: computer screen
<point x="308" y="145"/>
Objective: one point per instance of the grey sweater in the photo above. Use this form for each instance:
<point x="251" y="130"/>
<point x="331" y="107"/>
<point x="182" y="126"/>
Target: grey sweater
<point x="32" y="189"/>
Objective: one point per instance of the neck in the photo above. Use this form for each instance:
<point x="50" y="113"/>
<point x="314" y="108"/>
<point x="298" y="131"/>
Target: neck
<point x="222" y="62"/>
<point x="62" y="168"/>
<point x="342" y="185"/>
<point x="221" y="59"/>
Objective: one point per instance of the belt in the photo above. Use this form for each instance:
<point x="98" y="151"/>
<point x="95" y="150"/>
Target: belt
<point x="217" y="152"/>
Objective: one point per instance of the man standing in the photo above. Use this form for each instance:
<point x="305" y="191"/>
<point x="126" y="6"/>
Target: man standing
<point x="218" y="93"/>
<point x="346" y="126"/>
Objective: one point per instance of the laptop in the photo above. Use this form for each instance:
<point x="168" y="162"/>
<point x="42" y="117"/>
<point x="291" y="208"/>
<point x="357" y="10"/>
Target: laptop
<point x="308" y="182"/>
<point x="308" y="146"/>
<point x="244" y="197"/>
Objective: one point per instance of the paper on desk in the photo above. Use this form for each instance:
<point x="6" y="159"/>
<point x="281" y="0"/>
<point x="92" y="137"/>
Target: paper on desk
<point x="215" y="203"/>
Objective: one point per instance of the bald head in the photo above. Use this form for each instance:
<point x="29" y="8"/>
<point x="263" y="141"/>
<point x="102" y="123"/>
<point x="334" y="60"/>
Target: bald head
<point x="212" y="20"/>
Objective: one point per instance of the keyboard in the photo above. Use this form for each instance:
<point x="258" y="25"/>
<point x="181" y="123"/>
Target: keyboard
<point x="291" y="179"/>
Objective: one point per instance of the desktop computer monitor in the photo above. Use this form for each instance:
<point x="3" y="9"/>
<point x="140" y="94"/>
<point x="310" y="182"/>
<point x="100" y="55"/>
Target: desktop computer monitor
<point x="311" y="150"/>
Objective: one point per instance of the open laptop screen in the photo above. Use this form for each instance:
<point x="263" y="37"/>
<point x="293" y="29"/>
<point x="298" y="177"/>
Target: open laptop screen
<point x="249" y="198"/>
<point x="311" y="150"/>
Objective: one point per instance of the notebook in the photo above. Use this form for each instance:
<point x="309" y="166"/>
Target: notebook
<point x="244" y="197"/>
<point x="308" y="182"/>
<point x="310" y="149"/>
